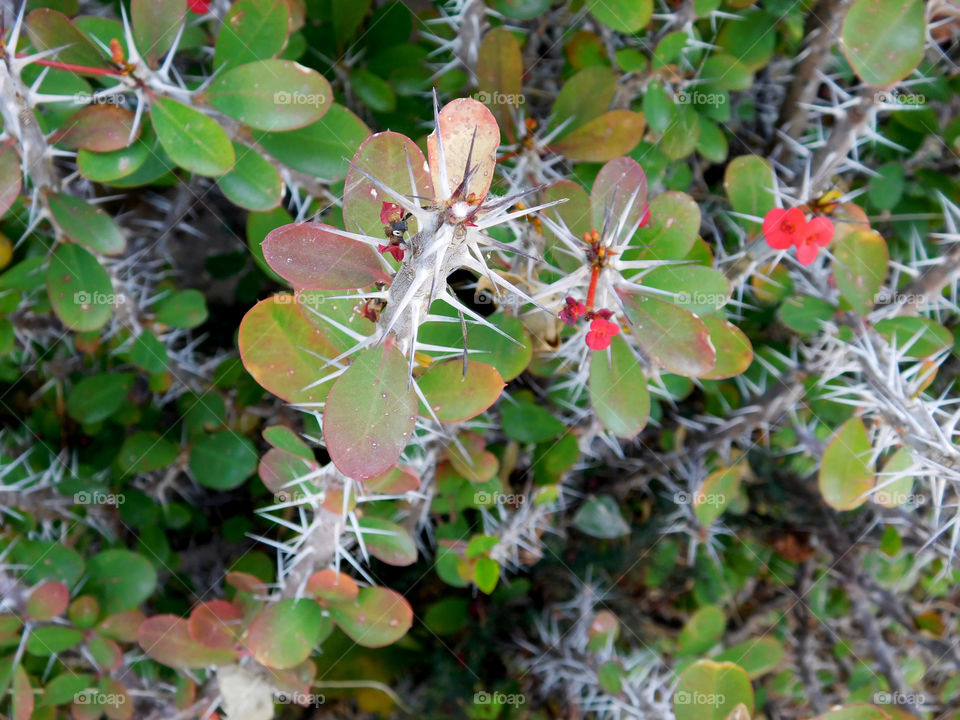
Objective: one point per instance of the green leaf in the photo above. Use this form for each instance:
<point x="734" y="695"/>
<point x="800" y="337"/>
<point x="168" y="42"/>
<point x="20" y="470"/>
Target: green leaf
<point x="725" y="71"/>
<point x="106" y="167"/>
<point x="611" y="135"/>
<point x="252" y="30"/>
<point x="10" y="180"/>
<point x="499" y="75"/>
<point x="120" y="579"/>
<point x="347" y="18"/>
<point x="145" y="452"/>
<point x="695" y="288"/>
<point x="79" y="288"/>
<point x="710" y="690"/>
<point x="618" y="390"/>
<point x="915" y="337"/>
<point x="718" y="490"/>
<point x="455" y="396"/>
<point x="672" y="230"/>
<point x="756" y="656"/>
<point x="377" y="618"/>
<point x="600" y="517"/>
<point x="860" y="267"/>
<point x="47" y="560"/>
<point x="486" y="574"/>
<point x="193" y="141"/>
<point x="805" y="314"/>
<point x="319" y="149"/>
<point x="680" y="137"/>
<point x="884" y="39"/>
<point x="155" y="26"/>
<point x="702" y="631"/>
<point x="373" y="91"/>
<point x="387" y="541"/>
<point x="271" y="95"/>
<point x="62" y="689"/>
<point x="148" y="353"/>
<point x="52" y="30"/>
<point x="285" y="633"/>
<point x="734" y="352"/>
<point x="748" y="182"/>
<point x="283" y="351"/>
<point x="97" y="397"/>
<point x="856" y="711"/>
<point x="676" y="339"/>
<point x="886" y="188"/>
<point x="585" y="96"/>
<point x="625" y="16"/>
<point x="658" y="108"/>
<point x="52" y="640"/>
<point x="283" y="438"/>
<point x="370" y="413"/>
<point x="87" y="225"/>
<point x="223" y="461"/>
<point x="846" y="472"/>
<point x="253" y="184"/>
<point x="748" y="38"/>
<point x="182" y="309"/>
<point x="528" y="423"/>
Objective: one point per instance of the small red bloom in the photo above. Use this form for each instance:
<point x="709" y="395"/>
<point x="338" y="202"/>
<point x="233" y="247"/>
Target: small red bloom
<point x="645" y="218"/>
<point x="573" y="311"/>
<point x="394" y="250"/>
<point x="601" y="333"/>
<point x="200" y="7"/>
<point x="817" y="234"/>
<point x="390" y="212"/>
<point x="782" y="228"/>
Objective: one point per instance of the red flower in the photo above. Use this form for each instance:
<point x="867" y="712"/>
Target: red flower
<point x="394" y="250"/>
<point x="645" y="218"/>
<point x="782" y="228"/>
<point x="817" y="234"/>
<point x="390" y="212"/>
<point x="573" y="311"/>
<point x="601" y="333"/>
<point x="200" y="7"/>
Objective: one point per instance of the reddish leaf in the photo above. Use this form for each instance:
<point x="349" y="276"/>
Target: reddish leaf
<point x="215" y="624"/>
<point x="612" y="134"/>
<point x="459" y="120"/>
<point x="246" y="582"/>
<point x="388" y="541"/>
<point x="10" y="178"/>
<point x="48" y="600"/>
<point x="166" y="638"/>
<point x="391" y="158"/>
<point x="395" y="481"/>
<point x="286" y="632"/>
<point x="105" y="652"/>
<point x="279" y="468"/>
<point x="332" y="586"/>
<point x="676" y="339"/>
<point x="379" y="617"/>
<point x="620" y="187"/>
<point x="454" y="397"/>
<point x="499" y="76"/>
<point x="283" y="351"/>
<point x="733" y="348"/>
<point x="122" y="626"/>
<point x="370" y="414"/>
<point x="22" y="699"/>
<point x="312" y="258"/>
<point x="101" y="128"/>
<point x="52" y="30"/>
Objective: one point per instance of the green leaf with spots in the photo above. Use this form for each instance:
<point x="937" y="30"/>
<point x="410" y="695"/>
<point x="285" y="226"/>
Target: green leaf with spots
<point x="193" y="141"/>
<point x="79" y="288"/>
<point x="285" y="633"/>
<point x="252" y="30"/>
<point x="87" y="225"/>
<point x="884" y="39"/>
<point x="378" y="617"/>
